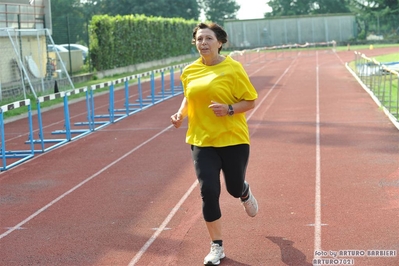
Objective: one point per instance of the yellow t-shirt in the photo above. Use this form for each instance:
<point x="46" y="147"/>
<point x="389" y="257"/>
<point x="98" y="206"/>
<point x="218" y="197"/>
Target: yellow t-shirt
<point x="226" y="82"/>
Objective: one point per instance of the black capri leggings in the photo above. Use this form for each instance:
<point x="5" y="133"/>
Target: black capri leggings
<point x="208" y="162"/>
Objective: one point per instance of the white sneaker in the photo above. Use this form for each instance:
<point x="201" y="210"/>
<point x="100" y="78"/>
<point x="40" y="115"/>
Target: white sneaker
<point x="216" y="254"/>
<point x="250" y="204"/>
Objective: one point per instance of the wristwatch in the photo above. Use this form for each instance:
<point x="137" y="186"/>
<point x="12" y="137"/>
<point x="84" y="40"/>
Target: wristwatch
<point x="231" y="110"/>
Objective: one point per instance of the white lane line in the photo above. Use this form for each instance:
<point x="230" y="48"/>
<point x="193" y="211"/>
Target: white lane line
<point x="258" y="104"/>
<point x="18" y="226"/>
<point x="317" y="222"/>
<point x="163" y="225"/>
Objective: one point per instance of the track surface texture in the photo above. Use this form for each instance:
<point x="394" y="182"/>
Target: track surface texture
<point x="324" y="167"/>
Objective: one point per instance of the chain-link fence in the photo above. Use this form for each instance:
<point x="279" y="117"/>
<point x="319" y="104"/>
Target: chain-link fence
<point x="70" y="29"/>
<point x="382" y="80"/>
<point x="298" y="30"/>
<point x="378" y="27"/>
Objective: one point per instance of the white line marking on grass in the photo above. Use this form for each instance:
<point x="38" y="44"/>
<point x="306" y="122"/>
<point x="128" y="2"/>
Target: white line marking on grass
<point x="317" y="223"/>
<point x="18" y="226"/>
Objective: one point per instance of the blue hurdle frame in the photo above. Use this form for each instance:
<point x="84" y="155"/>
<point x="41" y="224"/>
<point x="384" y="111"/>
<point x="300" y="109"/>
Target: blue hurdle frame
<point x="91" y="124"/>
<point x="154" y="97"/>
<point x="72" y="134"/>
<point x="42" y="141"/>
<point x="20" y="155"/>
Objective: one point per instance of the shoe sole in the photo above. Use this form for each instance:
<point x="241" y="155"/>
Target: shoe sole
<point x="217" y="263"/>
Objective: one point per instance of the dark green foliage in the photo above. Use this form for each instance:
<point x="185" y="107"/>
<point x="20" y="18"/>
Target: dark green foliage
<point x="127" y="40"/>
<point x="219" y="10"/>
<point x="68" y="14"/>
<point x="187" y="9"/>
<point x="380" y="17"/>
<point x="307" y="7"/>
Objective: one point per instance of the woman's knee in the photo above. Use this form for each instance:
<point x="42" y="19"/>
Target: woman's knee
<point x="235" y="192"/>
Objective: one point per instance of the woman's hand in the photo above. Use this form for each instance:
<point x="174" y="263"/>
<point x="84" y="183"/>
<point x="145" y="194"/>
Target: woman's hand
<point x="219" y="109"/>
<point x="176" y="120"/>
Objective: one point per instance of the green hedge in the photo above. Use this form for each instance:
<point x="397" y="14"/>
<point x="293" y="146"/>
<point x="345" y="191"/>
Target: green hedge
<point x="127" y="40"/>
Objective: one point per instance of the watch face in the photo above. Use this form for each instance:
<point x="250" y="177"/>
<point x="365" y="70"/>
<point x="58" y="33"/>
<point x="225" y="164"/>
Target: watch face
<point x="231" y="111"/>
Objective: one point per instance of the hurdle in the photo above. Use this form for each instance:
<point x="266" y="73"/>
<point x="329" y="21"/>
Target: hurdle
<point x="16" y="156"/>
<point x="72" y="134"/>
<point x="42" y="140"/>
<point x="112" y="115"/>
<point x="174" y="90"/>
<point x="142" y="102"/>
<point x="46" y="143"/>
<point x="164" y="94"/>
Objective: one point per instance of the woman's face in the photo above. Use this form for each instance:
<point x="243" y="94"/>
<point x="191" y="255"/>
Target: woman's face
<point x="206" y="42"/>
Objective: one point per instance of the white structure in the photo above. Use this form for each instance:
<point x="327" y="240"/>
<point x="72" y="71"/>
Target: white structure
<point x="26" y="66"/>
<point x="25" y="14"/>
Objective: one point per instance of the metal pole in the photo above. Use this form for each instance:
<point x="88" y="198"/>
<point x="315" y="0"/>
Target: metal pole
<point x="152" y="87"/>
<point x="127" y="96"/>
<point x="22" y="68"/>
<point x="66" y="118"/>
<point x="40" y="122"/>
<point x="140" y="92"/>
<point x="163" y="83"/>
<point x="111" y="102"/>
<point x="69" y="45"/>
<point x="20" y="51"/>
<point x="3" y="141"/>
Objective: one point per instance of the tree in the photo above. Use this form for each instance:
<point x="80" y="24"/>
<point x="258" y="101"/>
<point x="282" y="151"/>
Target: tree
<point x="219" y="10"/>
<point x="330" y="7"/>
<point x="307" y="7"/>
<point x="288" y="8"/>
<point x="378" y="15"/>
<point x="68" y="15"/>
<point x="376" y="5"/>
<point x="187" y="9"/>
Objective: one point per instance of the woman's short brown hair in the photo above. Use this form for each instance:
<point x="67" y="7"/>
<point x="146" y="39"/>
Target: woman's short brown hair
<point x="220" y="33"/>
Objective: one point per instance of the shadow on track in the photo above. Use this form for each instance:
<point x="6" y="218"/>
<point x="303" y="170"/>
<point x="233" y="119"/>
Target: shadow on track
<point x="289" y="254"/>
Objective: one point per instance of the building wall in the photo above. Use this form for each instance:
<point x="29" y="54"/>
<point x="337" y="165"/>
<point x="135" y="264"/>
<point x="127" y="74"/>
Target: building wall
<point x="12" y="49"/>
<point x="290" y="30"/>
<point x="21" y="15"/>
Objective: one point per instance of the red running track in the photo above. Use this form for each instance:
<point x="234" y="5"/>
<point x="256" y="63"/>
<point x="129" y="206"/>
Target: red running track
<point x="324" y="167"/>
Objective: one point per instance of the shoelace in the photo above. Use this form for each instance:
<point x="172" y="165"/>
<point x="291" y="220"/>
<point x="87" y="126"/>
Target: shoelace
<point x="215" y="249"/>
<point x="249" y="201"/>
